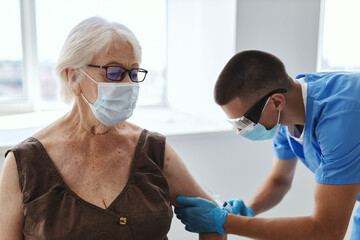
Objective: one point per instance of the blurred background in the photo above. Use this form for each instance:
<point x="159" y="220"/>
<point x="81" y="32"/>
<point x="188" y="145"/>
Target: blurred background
<point x="185" y="45"/>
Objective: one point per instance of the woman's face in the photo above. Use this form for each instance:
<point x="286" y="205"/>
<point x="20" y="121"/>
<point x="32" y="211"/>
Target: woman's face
<point x="119" y="54"/>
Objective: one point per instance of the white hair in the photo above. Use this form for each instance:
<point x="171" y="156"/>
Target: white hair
<point x="85" y="40"/>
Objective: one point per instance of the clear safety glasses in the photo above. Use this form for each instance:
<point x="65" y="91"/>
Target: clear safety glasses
<point x="251" y="118"/>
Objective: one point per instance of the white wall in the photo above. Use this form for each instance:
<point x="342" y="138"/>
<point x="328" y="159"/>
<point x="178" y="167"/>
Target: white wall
<point x="2" y="157"/>
<point x="287" y="28"/>
<point x="201" y="38"/>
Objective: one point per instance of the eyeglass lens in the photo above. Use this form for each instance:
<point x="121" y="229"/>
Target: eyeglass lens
<point x="118" y="73"/>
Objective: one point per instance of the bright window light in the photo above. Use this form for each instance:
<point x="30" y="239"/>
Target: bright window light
<point x="147" y="19"/>
<point x="340" y="48"/>
<point x="11" y="70"/>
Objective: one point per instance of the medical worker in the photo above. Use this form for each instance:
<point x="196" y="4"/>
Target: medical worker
<point x="314" y="118"/>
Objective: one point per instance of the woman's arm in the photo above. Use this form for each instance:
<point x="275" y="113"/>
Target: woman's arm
<point x="181" y="183"/>
<point x="11" y="217"/>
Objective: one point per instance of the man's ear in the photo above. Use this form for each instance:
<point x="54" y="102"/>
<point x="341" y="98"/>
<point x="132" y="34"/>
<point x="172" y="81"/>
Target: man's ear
<point x="72" y="78"/>
<point x="278" y="100"/>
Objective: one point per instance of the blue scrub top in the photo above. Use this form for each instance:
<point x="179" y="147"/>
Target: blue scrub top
<point x="331" y="146"/>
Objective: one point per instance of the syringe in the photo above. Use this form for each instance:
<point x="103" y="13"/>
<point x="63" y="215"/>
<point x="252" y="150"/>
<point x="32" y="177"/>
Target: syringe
<point x="220" y="202"/>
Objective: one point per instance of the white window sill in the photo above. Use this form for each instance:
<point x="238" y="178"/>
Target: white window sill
<point x="170" y="122"/>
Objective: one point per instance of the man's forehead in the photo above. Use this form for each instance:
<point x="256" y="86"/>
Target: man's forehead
<point x="235" y="108"/>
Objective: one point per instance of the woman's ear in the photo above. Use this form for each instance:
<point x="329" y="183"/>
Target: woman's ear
<point x="72" y="79"/>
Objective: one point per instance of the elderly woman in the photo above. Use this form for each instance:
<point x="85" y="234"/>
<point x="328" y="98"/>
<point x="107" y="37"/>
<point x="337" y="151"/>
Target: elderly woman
<point x="91" y="174"/>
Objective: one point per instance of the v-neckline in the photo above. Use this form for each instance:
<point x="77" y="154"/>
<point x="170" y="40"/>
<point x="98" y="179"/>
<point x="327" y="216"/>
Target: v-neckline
<point x="74" y="194"/>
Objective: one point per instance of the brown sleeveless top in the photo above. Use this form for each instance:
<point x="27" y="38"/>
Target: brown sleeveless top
<point x="53" y="211"/>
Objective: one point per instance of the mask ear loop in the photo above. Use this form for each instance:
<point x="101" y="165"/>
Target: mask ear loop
<point x="86" y="100"/>
<point x="88" y="76"/>
<point x="91" y="80"/>
<point x="278" y="121"/>
<point x="265" y="104"/>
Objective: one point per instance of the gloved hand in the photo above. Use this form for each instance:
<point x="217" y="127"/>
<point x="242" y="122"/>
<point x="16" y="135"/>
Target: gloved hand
<point x="239" y="208"/>
<point x="200" y="215"/>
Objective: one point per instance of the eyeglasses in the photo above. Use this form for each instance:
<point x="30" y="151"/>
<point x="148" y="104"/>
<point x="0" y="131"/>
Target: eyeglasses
<point x="248" y="121"/>
<point x="117" y="73"/>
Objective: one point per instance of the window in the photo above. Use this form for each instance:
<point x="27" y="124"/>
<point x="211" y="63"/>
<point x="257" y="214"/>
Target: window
<point x="51" y="23"/>
<point x="11" y="70"/>
<point x="339" y="47"/>
<point x="178" y="41"/>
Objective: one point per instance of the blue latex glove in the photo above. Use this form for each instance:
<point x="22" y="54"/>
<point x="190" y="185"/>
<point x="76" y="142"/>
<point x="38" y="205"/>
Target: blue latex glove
<point x="200" y="215"/>
<point x="239" y="208"/>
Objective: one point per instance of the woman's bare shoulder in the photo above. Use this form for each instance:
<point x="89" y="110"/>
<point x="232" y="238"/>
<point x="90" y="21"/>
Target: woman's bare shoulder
<point x="135" y="129"/>
<point x="52" y="130"/>
<point x="130" y="130"/>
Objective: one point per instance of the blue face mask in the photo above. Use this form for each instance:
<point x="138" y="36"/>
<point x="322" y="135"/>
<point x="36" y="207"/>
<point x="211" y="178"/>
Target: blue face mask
<point x="115" y="102"/>
<point x="261" y="133"/>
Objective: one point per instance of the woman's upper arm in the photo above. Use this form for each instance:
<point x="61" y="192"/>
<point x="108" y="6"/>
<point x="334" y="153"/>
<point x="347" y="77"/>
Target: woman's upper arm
<point x="180" y="180"/>
<point x="11" y="217"/>
<point x="182" y="183"/>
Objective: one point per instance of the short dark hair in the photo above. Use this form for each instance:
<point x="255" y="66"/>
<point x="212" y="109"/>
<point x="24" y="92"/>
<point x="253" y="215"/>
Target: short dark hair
<point x="249" y="75"/>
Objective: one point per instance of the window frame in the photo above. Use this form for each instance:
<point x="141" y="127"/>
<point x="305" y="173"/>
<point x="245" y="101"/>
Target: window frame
<point x="29" y="63"/>
<point x="320" y="35"/>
